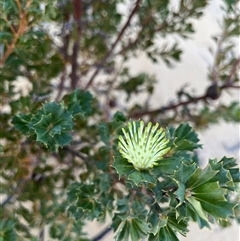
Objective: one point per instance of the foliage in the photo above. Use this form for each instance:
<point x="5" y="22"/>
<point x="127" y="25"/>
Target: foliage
<point x="61" y="161"/>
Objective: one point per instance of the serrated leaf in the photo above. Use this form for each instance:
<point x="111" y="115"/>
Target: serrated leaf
<point x="82" y="197"/>
<point x="212" y="199"/>
<point x="21" y="123"/>
<point x="134" y="227"/>
<point x="184" y="172"/>
<point x="156" y="221"/>
<point x="104" y="133"/>
<point x="157" y="190"/>
<point x="167" y="166"/>
<point x="185" y="138"/>
<point x="223" y="176"/>
<point x="122" y="166"/>
<point x="201" y="176"/>
<point x="78" y="102"/>
<point x="140" y="177"/>
<point x="7" y="230"/>
<point x="196" y="217"/>
<point x="180" y="192"/>
<point x="52" y="125"/>
<point x="196" y="205"/>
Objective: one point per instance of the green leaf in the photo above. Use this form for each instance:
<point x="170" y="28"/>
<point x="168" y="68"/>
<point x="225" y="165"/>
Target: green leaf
<point x="134" y="227"/>
<point x="167" y="166"/>
<point x="122" y="166"/>
<point x="223" y="176"/>
<point x="164" y="227"/>
<point x="52" y="125"/>
<point x="140" y="177"/>
<point x="7" y="231"/>
<point x="198" y="211"/>
<point x="195" y="211"/>
<point x="84" y="201"/>
<point x="104" y="133"/>
<point x="212" y="199"/>
<point x="201" y="176"/>
<point x="184" y="172"/>
<point x="78" y="102"/>
<point x="185" y="138"/>
<point x="21" y="123"/>
<point x="180" y="192"/>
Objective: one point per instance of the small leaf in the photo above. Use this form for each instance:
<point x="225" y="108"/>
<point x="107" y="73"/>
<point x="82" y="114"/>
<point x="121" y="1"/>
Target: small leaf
<point x="198" y="208"/>
<point x="200" y="177"/>
<point x="122" y="166"/>
<point x="185" y="138"/>
<point x="104" y="133"/>
<point x="78" y="102"/>
<point x="21" y="123"/>
<point x="7" y="231"/>
<point x="213" y="201"/>
<point x="140" y="177"/>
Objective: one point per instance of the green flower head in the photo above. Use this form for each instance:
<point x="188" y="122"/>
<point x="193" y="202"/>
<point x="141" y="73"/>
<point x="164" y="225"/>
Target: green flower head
<point x="143" y="146"/>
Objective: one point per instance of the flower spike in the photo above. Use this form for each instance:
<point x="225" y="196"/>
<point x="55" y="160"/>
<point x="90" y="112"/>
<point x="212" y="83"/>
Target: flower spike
<point x="143" y="146"/>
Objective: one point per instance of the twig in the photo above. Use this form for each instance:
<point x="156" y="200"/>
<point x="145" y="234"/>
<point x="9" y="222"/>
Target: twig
<point x="163" y="109"/>
<point x="16" y="33"/>
<point x="105" y="58"/>
<point x="77" y="14"/>
<point x="17" y="191"/>
<point x="233" y="71"/>
<point x="102" y="234"/>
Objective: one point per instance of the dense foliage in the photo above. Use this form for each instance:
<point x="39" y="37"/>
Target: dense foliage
<point x="62" y="161"/>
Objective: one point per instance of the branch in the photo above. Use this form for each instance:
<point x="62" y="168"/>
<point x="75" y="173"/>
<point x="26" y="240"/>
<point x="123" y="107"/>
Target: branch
<point x="102" y="234"/>
<point x="105" y="58"/>
<point x="213" y="92"/>
<point x="161" y="110"/>
<point x="77" y="14"/>
<point x="17" y="34"/>
<point x="233" y="71"/>
<point x="17" y="191"/>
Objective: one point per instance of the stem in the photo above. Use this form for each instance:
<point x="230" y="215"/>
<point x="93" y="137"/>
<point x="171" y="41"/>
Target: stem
<point x="102" y="234"/>
<point x="108" y="54"/>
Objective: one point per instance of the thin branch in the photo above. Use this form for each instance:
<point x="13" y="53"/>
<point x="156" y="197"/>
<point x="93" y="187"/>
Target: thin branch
<point x="21" y="30"/>
<point x="233" y="71"/>
<point x="17" y="191"/>
<point x="77" y="14"/>
<point x="102" y="234"/>
<point x="108" y="54"/>
<point x="163" y="109"/>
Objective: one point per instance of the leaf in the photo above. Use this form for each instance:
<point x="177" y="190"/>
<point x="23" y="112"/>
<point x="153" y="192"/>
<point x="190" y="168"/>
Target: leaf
<point x="21" y="123"/>
<point x="198" y="211"/>
<point x="167" y="166"/>
<point x="78" y="102"/>
<point x="164" y="227"/>
<point x="213" y="201"/>
<point x="7" y="230"/>
<point x="201" y="176"/>
<point x="140" y="177"/>
<point x="180" y="192"/>
<point x="184" y="172"/>
<point x="84" y="201"/>
<point x="134" y="227"/>
<point x="122" y="166"/>
<point x="104" y="133"/>
<point x="185" y="138"/>
<point x="52" y="125"/>
<point x="194" y="210"/>
<point x="157" y="190"/>
<point x="223" y="176"/>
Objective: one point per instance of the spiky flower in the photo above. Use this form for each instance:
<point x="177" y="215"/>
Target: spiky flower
<point x="143" y="146"/>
